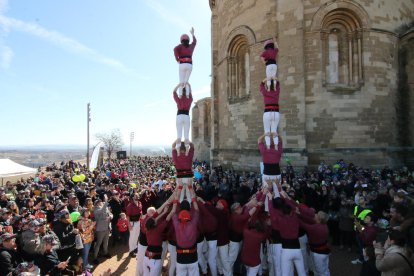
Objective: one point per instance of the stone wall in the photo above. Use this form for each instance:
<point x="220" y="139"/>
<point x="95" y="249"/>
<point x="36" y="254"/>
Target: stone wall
<point x="201" y="129"/>
<point x="355" y="117"/>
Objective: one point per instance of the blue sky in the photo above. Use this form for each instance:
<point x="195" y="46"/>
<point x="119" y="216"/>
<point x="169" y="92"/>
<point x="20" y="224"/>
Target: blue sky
<point x="56" y="56"/>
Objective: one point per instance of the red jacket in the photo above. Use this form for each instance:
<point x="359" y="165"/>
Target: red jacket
<point x="122" y="225"/>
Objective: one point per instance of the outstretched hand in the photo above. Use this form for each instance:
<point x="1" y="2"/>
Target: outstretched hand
<point x="192" y="31"/>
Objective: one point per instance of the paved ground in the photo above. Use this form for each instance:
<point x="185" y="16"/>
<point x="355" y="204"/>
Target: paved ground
<point x="122" y="264"/>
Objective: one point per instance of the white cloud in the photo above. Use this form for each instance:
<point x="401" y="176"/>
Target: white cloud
<point x="62" y="41"/>
<point x="6" y="54"/>
<point x="166" y="15"/>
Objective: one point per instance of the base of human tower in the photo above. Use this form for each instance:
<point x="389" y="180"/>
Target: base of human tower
<point x="122" y="264"/>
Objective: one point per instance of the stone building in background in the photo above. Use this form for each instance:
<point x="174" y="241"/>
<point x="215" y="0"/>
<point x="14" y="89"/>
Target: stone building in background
<point x="201" y="128"/>
<point x="346" y="70"/>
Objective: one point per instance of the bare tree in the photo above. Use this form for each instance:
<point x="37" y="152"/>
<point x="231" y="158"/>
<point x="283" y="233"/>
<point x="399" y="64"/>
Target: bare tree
<point x="112" y="141"/>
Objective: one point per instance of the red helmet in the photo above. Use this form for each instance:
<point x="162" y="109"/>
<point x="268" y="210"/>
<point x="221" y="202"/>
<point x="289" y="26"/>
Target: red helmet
<point x="184" y="216"/>
<point x="224" y="203"/>
<point x="184" y="37"/>
<point x="267" y="42"/>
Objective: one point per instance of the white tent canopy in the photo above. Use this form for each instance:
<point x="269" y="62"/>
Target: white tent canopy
<point x="8" y="168"/>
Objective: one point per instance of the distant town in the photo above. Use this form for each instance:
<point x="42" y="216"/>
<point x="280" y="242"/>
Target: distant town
<point x="41" y="155"/>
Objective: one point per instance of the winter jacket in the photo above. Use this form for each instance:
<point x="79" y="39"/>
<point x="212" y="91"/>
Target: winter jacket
<point x="392" y="263"/>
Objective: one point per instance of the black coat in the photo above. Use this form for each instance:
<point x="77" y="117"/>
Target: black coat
<point x="9" y="260"/>
<point x="48" y="263"/>
<point x="65" y="233"/>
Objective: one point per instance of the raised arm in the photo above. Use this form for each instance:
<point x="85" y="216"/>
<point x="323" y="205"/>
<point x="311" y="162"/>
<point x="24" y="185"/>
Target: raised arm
<point x="175" y="95"/>
<point x="261" y="138"/>
<point x="193" y="197"/>
<point x="166" y="203"/>
<point x="275" y="42"/>
<point x="194" y="38"/>
<point x="173" y="146"/>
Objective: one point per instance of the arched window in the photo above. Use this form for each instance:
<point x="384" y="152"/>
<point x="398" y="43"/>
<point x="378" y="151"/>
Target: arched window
<point x="341" y="36"/>
<point x="238" y="68"/>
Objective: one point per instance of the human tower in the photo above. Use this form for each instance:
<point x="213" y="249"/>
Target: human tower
<point x="270" y="144"/>
<point x="183" y="151"/>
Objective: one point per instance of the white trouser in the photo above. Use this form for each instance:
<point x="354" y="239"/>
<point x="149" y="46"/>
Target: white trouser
<point x="187" y="269"/>
<point x="234" y="250"/>
<point x="133" y="236"/>
<point x="139" y="271"/>
<point x="271" y="71"/>
<point x="321" y="262"/>
<point x="252" y="270"/>
<point x="212" y="257"/>
<point x="201" y="258"/>
<point x="164" y="250"/>
<point x="173" y="259"/>
<point x="303" y="241"/>
<point x="184" y="73"/>
<point x="182" y="124"/>
<point x="263" y="257"/>
<point x="152" y="267"/>
<point x="270" y="123"/>
<point x="275" y="252"/>
<point x="292" y="257"/>
<point x="223" y="263"/>
<point x="266" y="181"/>
<point x="185" y="192"/>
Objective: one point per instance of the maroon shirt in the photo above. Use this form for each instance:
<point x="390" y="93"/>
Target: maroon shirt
<point x="133" y="211"/>
<point x="208" y="223"/>
<point x="238" y="222"/>
<point x="318" y="233"/>
<point x="183" y="162"/>
<point x="368" y="235"/>
<point x="270" y="53"/>
<point x="182" y="51"/>
<point x="274" y="214"/>
<point x="171" y="232"/>
<point x="184" y="103"/>
<point x="250" y="253"/>
<point x="270" y="97"/>
<point x="271" y="156"/>
<point x="288" y="224"/>
<point x="222" y="224"/>
<point x="154" y="236"/>
<point x="186" y="233"/>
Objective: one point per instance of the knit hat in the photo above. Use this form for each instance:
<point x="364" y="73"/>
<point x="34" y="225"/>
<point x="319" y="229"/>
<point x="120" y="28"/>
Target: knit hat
<point x="23" y="267"/>
<point x="34" y="223"/>
<point x="6" y="236"/>
<point x="60" y="206"/>
<point x="49" y="239"/>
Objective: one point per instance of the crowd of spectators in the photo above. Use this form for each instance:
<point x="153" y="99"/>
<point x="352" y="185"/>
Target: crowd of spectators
<point x="50" y="222"/>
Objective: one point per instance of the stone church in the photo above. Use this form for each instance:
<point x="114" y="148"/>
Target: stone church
<point x="346" y="71"/>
